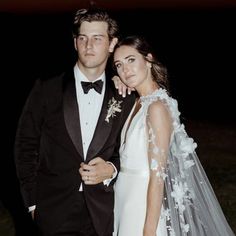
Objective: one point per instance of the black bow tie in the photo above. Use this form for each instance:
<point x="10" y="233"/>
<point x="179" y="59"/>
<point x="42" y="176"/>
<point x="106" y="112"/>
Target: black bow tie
<point x="97" y="85"/>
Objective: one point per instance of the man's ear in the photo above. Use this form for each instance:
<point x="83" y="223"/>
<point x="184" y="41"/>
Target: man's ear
<point x="75" y="44"/>
<point x="113" y="43"/>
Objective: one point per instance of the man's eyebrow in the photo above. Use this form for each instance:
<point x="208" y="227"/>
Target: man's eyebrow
<point x="94" y="35"/>
<point x="99" y="35"/>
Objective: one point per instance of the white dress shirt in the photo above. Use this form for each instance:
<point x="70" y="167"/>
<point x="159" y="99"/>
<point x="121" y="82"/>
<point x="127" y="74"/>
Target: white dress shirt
<point x="90" y="105"/>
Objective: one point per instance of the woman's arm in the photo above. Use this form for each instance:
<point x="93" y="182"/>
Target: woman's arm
<point x="159" y="126"/>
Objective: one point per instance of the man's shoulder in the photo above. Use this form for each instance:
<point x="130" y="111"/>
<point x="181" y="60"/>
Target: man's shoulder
<point x="127" y="101"/>
<point x="52" y="77"/>
<point x="55" y="78"/>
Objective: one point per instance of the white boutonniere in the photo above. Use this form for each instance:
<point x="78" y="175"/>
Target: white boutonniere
<point x="113" y="107"/>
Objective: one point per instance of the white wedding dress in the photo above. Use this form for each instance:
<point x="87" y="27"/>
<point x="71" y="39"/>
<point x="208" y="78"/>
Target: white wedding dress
<point x="189" y="205"/>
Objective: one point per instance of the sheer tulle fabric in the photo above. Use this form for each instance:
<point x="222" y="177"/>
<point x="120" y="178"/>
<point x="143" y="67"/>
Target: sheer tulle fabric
<point x="190" y="205"/>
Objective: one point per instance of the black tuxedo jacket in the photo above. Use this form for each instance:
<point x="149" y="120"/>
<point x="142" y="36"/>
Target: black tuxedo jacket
<point x="48" y="152"/>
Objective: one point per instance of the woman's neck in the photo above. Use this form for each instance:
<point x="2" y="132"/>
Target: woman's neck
<point x="147" y="88"/>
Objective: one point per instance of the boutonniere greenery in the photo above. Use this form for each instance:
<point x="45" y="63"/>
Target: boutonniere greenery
<point x="113" y="107"/>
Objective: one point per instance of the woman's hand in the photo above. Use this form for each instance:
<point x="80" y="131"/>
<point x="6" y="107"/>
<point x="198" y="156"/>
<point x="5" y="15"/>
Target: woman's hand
<point x="122" y="88"/>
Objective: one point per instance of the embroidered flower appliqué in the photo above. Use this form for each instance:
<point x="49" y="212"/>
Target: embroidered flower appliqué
<point x="113" y="107"/>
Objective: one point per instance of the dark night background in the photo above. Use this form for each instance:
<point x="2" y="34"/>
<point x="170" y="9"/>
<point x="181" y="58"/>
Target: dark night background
<point x="198" y="46"/>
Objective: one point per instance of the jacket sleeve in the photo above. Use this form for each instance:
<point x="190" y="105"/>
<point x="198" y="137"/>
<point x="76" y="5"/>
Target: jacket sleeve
<point x="27" y="143"/>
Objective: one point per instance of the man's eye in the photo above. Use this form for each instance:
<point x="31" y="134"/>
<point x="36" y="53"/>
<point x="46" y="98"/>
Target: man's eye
<point x="81" y="38"/>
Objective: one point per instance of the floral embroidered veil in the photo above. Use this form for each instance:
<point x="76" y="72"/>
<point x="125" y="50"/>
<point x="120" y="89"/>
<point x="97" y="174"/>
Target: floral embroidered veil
<point x="190" y="205"/>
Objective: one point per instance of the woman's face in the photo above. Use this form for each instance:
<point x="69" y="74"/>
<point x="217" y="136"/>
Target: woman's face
<point x="131" y="66"/>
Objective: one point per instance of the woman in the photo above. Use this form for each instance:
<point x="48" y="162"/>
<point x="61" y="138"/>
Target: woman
<point x="162" y="188"/>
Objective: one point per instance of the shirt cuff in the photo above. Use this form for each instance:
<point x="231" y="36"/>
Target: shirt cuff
<point x="108" y="181"/>
<point x="31" y="208"/>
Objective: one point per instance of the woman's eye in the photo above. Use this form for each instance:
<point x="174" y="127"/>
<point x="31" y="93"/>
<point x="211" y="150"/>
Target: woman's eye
<point x="130" y="60"/>
<point x="117" y="65"/>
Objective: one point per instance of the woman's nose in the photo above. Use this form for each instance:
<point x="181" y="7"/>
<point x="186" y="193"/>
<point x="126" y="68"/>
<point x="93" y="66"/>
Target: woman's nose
<point x="125" y="68"/>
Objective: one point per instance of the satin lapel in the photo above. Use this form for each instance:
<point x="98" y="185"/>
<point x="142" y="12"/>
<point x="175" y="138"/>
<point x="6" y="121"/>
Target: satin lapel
<point x="71" y="113"/>
<point x="103" y="128"/>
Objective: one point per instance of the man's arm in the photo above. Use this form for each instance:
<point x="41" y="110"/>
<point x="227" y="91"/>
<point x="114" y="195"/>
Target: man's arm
<point x="97" y="171"/>
<point x="27" y="140"/>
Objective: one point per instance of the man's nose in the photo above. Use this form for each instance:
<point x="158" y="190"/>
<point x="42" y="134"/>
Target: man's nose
<point x="89" y="43"/>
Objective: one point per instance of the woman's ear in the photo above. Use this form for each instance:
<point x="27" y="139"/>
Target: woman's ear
<point x="149" y="58"/>
<point x="113" y="43"/>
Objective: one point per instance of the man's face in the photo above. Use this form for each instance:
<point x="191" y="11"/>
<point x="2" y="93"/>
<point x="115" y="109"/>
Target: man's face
<point x="93" y="44"/>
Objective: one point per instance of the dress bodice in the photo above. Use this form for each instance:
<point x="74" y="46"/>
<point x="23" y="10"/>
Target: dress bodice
<point x="133" y="149"/>
<point x="134" y="139"/>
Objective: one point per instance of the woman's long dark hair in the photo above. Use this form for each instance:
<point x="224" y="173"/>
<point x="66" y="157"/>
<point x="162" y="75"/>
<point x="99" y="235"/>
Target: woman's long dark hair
<point x="158" y="71"/>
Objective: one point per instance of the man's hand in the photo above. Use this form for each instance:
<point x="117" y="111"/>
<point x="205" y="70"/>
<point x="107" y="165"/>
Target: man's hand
<point x="122" y="88"/>
<point x="96" y="171"/>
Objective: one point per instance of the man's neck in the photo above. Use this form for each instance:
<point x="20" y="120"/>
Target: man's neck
<point x="91" y="73"/>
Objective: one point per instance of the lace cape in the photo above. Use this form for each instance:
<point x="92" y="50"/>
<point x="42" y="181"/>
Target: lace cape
<point x="190" y="205"/>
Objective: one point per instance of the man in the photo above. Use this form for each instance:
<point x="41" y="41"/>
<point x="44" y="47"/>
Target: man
<point x="68" y="121"/>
